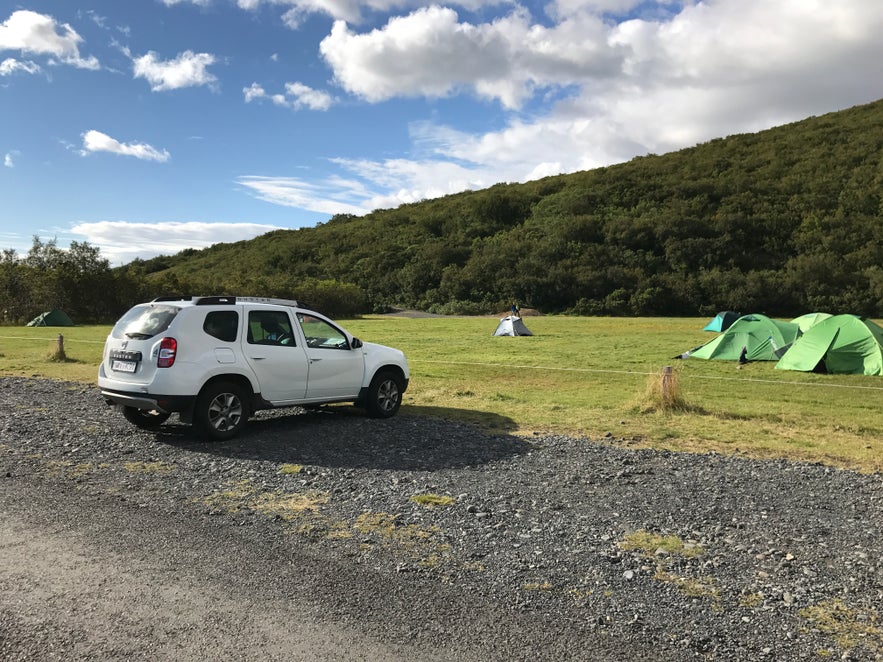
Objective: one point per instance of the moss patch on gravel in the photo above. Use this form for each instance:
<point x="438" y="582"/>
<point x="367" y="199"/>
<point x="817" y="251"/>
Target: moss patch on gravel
<point x="849" y="627"/>
<point x="148" y="467"/>
<point x="302" y="511"/>
<point x="59" y="468"/>
<point x="287" y="506"/>
<point x="651" y="544"/>
<point x="432" y="500"/>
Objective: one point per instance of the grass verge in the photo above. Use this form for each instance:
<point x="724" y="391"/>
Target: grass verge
<point x="595" y="377"/>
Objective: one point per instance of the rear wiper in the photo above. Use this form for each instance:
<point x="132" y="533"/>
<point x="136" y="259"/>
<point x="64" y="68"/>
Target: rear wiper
<point x="138" y="336"/>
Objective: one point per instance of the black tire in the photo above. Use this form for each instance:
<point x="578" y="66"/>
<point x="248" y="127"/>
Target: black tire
<point x="146" y="419"/>
<point x="384" y="394"/>
<point x="221" y="411"/>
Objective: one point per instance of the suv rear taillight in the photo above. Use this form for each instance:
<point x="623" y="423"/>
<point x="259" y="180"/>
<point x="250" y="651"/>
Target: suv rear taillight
<point x="168" y="347"/>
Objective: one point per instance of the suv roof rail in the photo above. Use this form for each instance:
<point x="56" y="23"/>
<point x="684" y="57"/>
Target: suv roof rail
<point x="214" y="301"/>
<point x="228" y="300"/>
<point x="273" y="300"/>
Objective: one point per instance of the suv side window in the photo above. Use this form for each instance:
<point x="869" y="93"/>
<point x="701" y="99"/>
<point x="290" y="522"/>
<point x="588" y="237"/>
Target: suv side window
<point x="222" y="324"/>
<point x="269" y="327"/>
<point x="321" y="334"/>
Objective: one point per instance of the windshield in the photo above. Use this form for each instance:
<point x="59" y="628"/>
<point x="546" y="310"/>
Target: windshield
<point x="144" y="321"/>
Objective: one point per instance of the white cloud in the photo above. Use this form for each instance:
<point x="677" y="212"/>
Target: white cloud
<point x="458" y="161"/>
<point x="10" y="66"/>
<point x="505" y="60"/>
<point x="9" y="158"/>
<point x="303" y="96"/>
<point x="95" y="141"/>
<point x="189" y="69"/>
<point x="252" y="92"/>
<point x="32" y="33"/>
<point x="683" y="76"/>
<point x="123" y="241"/>
<point x="297" y="96"/>
<point x="334" y="196"/>
<point x="620" y="8"/>
<point x="393" y="182"/>
<point x="353" y="11"/>
<point x="708" y="45"/>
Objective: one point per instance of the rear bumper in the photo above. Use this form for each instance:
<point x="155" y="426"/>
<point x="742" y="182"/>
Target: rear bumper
<point x="163" y="403"/>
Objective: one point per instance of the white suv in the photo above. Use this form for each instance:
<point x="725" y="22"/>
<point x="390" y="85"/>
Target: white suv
<point x="216" y="360"/>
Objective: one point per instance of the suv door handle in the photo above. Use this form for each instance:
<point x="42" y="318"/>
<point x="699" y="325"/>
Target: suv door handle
<point x="315" y="360"/>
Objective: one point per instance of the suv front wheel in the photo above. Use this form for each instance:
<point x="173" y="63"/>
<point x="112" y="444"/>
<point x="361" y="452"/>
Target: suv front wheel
<point x="384" y="394"/>
<point x="220" y="411"/>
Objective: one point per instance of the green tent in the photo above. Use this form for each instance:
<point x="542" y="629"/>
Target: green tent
<point x="52" y="318"/>
<point x="808" y="321"/>
<point x="722" y="321"/>
<point x="842" y="344"/>
<point x="764" y="339"/>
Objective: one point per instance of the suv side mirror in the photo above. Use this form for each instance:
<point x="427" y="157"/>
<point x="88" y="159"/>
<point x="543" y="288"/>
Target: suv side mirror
<point x="356" y="343"/>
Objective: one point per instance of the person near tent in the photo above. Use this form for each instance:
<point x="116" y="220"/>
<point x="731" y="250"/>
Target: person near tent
<point x="743" y="356"/>
<point x="516" y="311"/>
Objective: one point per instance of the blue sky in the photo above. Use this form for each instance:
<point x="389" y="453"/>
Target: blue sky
<point x="149" y="126"/>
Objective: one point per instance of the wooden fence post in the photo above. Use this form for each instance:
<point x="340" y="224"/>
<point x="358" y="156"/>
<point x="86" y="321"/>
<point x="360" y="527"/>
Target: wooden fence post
<point x="59" y="354"/>
<point x="666" y="382"/>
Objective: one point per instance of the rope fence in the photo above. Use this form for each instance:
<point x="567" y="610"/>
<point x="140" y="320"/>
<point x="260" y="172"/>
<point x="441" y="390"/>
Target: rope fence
<point x="567" y="369"/>
<point x="66" y="339"/>
<point x="655" y="372"/>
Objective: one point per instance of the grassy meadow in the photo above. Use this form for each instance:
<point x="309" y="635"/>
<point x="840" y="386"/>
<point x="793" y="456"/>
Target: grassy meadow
<point x="591" y="376"/>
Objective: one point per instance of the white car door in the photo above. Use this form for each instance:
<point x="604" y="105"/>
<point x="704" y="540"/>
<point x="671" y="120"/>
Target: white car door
<point x="336" y="370"/>
<point x="277" y="358"/>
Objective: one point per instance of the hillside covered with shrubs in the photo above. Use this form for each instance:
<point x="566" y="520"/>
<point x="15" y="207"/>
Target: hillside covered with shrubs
<point x="784" y="221"/>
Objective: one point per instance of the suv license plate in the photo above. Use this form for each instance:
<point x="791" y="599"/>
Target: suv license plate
<point x="122" y="366"/>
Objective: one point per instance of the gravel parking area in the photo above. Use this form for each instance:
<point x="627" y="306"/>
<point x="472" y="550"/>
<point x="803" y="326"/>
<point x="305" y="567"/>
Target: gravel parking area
<point x="328" y="535"/>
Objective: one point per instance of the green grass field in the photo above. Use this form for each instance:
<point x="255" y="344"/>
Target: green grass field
<point x="583" y="376"/>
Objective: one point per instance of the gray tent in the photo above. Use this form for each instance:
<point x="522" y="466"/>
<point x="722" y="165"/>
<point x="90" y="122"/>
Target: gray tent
<point x="512" y="326"/>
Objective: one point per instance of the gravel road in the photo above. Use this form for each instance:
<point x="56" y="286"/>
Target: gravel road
<point x="324" y="535"/>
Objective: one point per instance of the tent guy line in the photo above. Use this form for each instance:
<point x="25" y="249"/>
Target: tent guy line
<point x="631" y="372"/>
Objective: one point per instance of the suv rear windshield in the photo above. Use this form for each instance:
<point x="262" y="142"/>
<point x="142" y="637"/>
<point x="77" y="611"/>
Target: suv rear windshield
<point x="144" y="321"/>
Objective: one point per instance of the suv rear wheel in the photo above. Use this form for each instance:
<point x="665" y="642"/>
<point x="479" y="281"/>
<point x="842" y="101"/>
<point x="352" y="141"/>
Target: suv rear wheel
<point x="384" y="394"/>
<point x="220" y="411"/>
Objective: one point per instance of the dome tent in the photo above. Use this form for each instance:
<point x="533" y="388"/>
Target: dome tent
<point x="51" y="318"/>
<point x="808" y="321"/>
<point x="763" y="338"/>
<point x="722" y="321"/>
<point x="512" y="326"/>
<point x="842" y="344"/>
